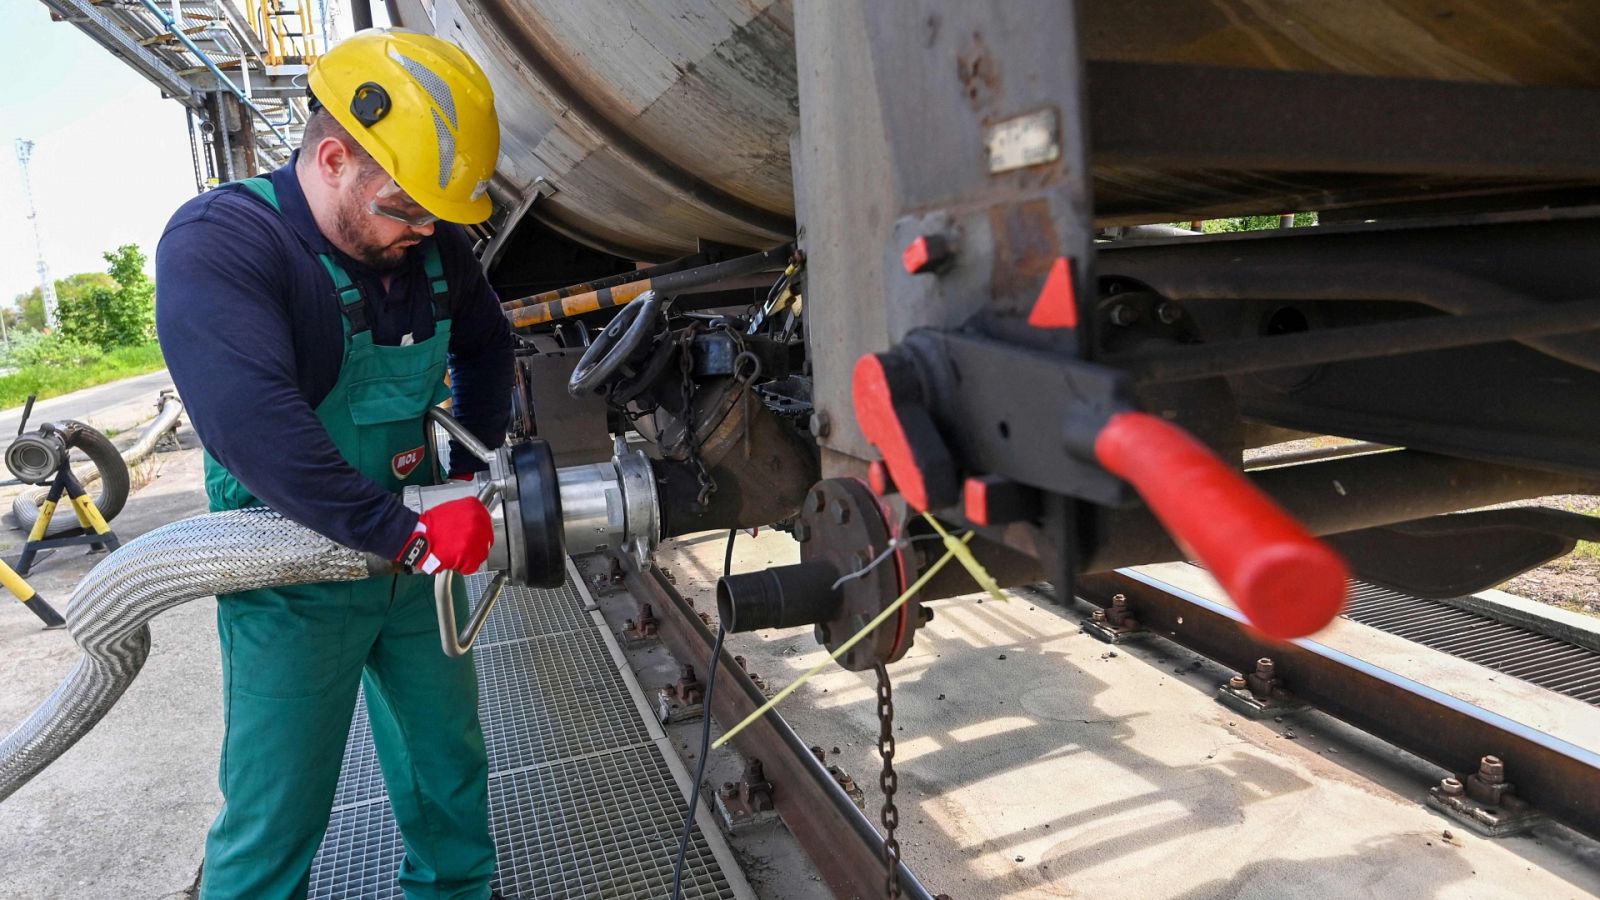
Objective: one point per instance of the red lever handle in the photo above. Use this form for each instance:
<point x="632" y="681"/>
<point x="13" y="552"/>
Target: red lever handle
<point x="1285" y="581"/>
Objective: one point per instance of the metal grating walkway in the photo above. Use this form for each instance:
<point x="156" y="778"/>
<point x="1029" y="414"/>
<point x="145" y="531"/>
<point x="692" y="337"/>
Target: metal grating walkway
<point x="1549" y="662"/>
<point x="586" y="796"/>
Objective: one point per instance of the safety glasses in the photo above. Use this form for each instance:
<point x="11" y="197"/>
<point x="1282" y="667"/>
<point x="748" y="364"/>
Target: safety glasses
<point x="392" y="203"/>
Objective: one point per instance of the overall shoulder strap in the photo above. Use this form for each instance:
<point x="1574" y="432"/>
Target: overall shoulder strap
<point x="352" y="302"/>
<point x="261" y="187"/>
<point x="433" y="267"/>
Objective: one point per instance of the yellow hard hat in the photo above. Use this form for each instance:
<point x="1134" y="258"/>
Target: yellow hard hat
<point x="424" y="111"/>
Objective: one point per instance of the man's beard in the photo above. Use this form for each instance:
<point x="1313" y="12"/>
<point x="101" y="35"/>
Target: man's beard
<point x="354" y="224"/>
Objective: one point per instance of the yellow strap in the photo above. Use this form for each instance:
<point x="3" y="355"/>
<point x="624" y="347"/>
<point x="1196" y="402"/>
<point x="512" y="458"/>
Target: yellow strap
<point x="877" y="620"/>
<point x="968" y="561"/>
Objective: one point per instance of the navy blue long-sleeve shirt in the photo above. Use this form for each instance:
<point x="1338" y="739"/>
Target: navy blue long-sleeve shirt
<point x="254" y="340"/>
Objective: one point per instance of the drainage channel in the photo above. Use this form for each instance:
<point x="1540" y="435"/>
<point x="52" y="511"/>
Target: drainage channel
<point x="1550" y="662"/>
<point x="586" y="797"/>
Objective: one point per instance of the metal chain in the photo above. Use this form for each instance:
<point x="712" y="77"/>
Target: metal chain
<point x="687" y="443"/>
<point x="889" y="782"/>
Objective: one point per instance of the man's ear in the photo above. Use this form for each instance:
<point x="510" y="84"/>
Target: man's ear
<point x="335" y="163"/>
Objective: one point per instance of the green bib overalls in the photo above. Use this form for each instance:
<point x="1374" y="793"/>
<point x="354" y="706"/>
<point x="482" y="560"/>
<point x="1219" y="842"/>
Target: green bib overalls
<point x="292" y="658"/>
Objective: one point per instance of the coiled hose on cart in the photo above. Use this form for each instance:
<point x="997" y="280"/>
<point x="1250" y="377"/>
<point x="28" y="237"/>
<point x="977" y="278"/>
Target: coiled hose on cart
<point x="105" y="464"/>
<point x="109" y="613"/>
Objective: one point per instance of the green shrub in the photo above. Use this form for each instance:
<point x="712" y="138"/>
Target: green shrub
<point x="51" y="351"/>
<point x="51" y="379"/>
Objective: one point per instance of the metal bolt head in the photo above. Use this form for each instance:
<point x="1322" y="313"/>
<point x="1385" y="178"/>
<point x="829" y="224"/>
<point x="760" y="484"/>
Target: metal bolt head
<point x="688" y="672"/>
<point x="1451" y="787"/>
<point x="1119" y="602"/>
<point x="1124" y="314"/>
<point x="802" y="532"/>
<point x="841" y="512"/>
<point x="1168" y="313"/>
<point x="1098" y="615"/>
<point x="1491" y="770"/>
<point x="821" y="424"/>
<point x="1238" y="683"/>
<point x="817" y="500"/>
<point x="925" y="613"/>
<point x="739" y="661"/>
<point x="1265" y="668"/>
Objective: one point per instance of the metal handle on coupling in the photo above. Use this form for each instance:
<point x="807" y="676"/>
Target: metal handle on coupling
<point x="444" y="598"/>
<point x="457" y="431"/>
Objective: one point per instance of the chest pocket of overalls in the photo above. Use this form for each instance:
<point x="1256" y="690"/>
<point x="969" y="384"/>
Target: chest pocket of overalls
<point x="387" y="390"/>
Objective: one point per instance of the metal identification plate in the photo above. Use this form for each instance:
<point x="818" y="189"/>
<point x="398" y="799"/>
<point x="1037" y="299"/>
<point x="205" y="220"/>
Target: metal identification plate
<point x="1024" y="141"/>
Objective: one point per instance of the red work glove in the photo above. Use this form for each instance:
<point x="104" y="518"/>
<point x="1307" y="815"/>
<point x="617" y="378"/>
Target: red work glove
<point x="455" y="535"/>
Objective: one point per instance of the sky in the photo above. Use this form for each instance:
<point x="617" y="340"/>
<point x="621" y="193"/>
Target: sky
<point x="111" y="159"/>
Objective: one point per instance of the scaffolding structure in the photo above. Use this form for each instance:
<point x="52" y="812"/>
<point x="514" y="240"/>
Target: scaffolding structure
<point x="239" y="72"/>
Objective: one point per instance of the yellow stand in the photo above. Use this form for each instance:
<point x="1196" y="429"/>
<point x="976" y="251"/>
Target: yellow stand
<point x="29" y="597"/>
<point x="93" y="529"/>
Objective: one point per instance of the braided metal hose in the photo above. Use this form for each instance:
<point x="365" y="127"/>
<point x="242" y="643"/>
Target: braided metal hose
<point x="110" y="611"/>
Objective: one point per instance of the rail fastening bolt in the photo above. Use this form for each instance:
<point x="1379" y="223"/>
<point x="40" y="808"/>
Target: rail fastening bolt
<point x="1238" y="683"/>
<point x="1491" y="770"/>
<point x="1119" y="602"/>
<point x="1098" y="615"/>
<point x="1451" y="787"/>
<point x="1265" y="668"/>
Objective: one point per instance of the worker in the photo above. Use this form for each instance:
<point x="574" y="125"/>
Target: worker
<point x="308" y="318"/>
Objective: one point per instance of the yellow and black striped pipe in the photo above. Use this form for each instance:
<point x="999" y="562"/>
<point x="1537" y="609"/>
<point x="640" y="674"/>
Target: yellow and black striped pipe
<point x="610" y="281"/>
<point x="578" y="304"/>
<point x="525" y="314"/>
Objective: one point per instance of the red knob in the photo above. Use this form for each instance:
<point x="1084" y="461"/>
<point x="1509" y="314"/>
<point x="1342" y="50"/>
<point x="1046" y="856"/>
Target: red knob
<point x="1285" y="581"/>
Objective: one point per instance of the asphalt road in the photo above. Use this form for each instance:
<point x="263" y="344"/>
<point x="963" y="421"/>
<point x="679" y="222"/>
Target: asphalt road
<point x="101" y="406"/>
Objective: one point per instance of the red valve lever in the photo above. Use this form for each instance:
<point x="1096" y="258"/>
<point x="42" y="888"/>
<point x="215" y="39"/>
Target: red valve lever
<point x="1286" y="582"/>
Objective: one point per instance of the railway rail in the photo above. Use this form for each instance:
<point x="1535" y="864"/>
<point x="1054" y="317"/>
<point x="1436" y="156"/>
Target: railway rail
<point x="1553" y="776"/>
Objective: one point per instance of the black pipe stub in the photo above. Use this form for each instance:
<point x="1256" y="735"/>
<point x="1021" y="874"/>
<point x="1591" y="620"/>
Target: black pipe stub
<point x="780" y="597"/>
<point x="539" y="512"/>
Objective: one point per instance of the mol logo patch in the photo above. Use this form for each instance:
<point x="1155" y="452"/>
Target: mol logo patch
<point x="405" y="463"/>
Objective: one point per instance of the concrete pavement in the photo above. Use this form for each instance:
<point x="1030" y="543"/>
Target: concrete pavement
<point x="124" y="813"/>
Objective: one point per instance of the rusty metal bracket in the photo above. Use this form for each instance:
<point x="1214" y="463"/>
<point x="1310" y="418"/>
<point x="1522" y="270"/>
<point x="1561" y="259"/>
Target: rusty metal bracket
<point x="1484" y="801"/>
<point x="683" y="700"/>
<point x="1114" y="624"/>
<point x="747" y="803"/>
<point x="1259" y="695"/>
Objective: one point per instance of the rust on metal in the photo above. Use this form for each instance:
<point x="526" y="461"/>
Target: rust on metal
<point x="834" y="833"/>
<point x="1558" y="779"/>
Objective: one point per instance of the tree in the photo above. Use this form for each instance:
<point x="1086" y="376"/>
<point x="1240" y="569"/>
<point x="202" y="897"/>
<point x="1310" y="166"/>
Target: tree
<point x="30" y="306"/>
<point x="118" y="314"/>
